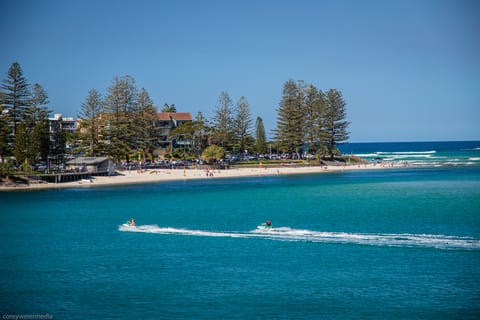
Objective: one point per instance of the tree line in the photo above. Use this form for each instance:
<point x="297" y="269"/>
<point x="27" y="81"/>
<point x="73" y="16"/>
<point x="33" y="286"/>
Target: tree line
<point x="123" y="123"/>
<point x="308" y="118"/>
<point x="24" y="126"/>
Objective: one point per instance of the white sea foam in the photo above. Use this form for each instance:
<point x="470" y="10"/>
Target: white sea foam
<point x="421" y="158"/>
<point x="410" y="156"/>
<point x="407" y="152"/>
<point x="289" y="234"/>
<point x="398" y="154"/>
<point x="366" y="155"/>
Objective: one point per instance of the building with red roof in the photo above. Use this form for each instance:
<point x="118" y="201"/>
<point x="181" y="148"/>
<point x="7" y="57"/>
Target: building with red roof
<point x="166" y="122"/>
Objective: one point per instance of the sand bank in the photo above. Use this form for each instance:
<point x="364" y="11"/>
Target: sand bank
<point x="154" y="175"/>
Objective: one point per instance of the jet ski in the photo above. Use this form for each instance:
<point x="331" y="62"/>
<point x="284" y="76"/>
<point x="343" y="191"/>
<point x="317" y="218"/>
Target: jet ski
<point x="261" y="227"/>
<point x="265" y="226"/>
<point x="126" y="224"/>
<point x="130" y="223"/>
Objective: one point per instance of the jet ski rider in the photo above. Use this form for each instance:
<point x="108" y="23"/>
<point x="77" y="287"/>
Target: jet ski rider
<point x="131" y="222"/>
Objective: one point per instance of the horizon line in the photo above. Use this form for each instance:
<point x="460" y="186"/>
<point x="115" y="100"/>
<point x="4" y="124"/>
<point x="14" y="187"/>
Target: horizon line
<point x="409" y="141"/>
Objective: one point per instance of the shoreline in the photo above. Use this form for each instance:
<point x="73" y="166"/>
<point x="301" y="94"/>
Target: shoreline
<point x="167" y="175"/>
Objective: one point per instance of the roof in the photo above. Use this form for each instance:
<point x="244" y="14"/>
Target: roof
<point x="87" y="160"/>
<point x="179" y="116"/>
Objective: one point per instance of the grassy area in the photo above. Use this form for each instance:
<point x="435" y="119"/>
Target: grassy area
<point x="341" y="160"/>
<point x="272" y="163"/>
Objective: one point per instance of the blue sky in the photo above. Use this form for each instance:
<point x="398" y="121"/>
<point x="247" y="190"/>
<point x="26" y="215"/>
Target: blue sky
<point x="408" y="70"/>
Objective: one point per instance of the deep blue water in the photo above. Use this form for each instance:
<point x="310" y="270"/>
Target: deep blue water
<point x="384" y="244"/>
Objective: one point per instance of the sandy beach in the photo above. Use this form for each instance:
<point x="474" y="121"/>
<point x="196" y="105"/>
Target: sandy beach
<point x="154" y="175"/>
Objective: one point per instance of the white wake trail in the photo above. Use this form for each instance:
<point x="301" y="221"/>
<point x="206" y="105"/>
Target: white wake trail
<point x="289" y="234"/>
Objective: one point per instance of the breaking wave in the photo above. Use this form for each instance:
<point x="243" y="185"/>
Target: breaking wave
<point x="288" y="234"/>
<point x="424" y="158"/>
<point x="409" y="152"/>
<point x="398" y="153"/>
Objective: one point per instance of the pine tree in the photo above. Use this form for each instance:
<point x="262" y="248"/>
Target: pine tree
<point x="145" y="118"/>
<point x="20" y="148"/>
<point x="201" y="118"/>
<point x="37" y="108"/>
<point x="90" y="116"/>
<point x="200" y="138"/>
<point x="260" y="137"/>
<point x="36" y="119"/>
<point x="16" y="94"/>
<point x="44" y="137"/>
<point x="314" y="117"/>
<point x="120" y="103"/>
<point x="168" y="108"/>
<point x="310" y="96"/>
<point x="34" y="145"/>
<point x="289" y="132"/>
<point x="222" y="122"/>
<point x="335" y="130"/>
<point x="58" y="141"/>
<point x="6" y="133"/>
<point x="39" y="140"/>
<point x="243" y="123"/>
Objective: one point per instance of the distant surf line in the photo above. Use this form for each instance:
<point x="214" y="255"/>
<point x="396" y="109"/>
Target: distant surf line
<point x="288" y="234"/>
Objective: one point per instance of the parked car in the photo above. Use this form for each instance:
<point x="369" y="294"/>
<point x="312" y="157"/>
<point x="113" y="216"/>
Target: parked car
<point x="40" y="166"/>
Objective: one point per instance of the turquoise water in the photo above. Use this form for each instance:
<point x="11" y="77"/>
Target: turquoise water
<point x="452" y="153"/>
<point x="386" y="244"/>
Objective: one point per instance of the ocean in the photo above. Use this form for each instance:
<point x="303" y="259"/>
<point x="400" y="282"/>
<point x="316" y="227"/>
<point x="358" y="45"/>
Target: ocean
<point x="399" y="243"/>
<point x="451" y="153"/>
